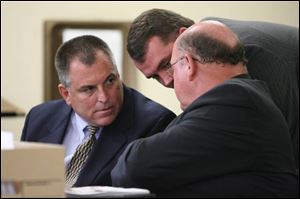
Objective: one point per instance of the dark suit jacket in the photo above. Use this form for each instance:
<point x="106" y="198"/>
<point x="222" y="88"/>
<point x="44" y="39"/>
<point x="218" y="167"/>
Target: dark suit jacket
<point x="140" y="117"/>
<point x="231" y="141"/>
<point x="273" y="54"/>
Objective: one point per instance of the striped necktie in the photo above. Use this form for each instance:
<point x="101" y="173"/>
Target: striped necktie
<point x="80" y="156"/>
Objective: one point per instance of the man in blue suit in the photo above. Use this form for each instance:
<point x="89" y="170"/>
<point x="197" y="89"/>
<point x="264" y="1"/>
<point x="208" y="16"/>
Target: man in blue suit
<point x="93" y="95"/>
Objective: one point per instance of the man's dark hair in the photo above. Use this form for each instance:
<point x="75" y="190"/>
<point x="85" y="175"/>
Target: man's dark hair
<point x="155" y="22"/>
<point x="83" y="47"/>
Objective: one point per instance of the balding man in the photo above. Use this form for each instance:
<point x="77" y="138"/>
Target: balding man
<point x="231" y="139"/>
<point x="272" y="51"/>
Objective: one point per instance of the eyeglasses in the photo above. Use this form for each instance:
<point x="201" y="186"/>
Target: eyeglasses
<point x="202" y="61"/>
<point x="170" y="65"/>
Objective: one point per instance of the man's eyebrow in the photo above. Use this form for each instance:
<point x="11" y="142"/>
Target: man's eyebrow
<point x="164" y="62"/>
<point x="110" y="76"/>
<point x="83" y="87"/>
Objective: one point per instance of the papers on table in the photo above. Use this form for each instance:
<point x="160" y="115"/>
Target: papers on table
<point x="105" y="191"/>
<point x="7" y="140"/>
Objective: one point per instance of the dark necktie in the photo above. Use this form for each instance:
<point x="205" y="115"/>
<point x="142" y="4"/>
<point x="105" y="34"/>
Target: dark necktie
<point x="80" y="157"/>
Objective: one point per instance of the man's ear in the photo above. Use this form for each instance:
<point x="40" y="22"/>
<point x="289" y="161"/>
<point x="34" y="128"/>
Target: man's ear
<point x="192" y="67"/>
<point x="64" y="92"/>
<point x="181" y="30"/>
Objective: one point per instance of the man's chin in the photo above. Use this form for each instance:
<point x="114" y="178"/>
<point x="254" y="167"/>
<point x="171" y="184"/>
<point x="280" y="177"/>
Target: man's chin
<point x="105" y="121"/>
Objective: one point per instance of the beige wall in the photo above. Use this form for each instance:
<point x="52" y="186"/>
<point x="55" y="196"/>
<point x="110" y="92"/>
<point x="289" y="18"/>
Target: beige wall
<point x="22" y="40"/>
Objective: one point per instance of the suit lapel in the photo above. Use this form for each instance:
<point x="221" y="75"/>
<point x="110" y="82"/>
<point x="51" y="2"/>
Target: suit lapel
<point x="57" y="126"/>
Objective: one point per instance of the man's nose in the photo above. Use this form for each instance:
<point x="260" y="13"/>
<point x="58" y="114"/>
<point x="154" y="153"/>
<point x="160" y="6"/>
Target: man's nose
<point x="167" y="81"/>
<point x="166" y="78"/>
<point x="102" y="96"/>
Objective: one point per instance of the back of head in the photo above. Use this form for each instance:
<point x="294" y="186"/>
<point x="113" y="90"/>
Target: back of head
<point x="155" y="22"/>
<point x="82" y="47"/>
<point x="212" y="41"/>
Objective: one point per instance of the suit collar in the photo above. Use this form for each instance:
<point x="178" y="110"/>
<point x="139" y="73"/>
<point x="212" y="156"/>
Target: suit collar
<point x="58" y="125"/>
<point x="243" y="76"/>
<point x="201" y="98"/>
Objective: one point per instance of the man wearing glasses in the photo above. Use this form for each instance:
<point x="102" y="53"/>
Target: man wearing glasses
<point x="231" y="139"/>
<point x="272" y="51"/>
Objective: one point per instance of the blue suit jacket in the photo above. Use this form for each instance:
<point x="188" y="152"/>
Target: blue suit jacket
<point x="140" y="117"/>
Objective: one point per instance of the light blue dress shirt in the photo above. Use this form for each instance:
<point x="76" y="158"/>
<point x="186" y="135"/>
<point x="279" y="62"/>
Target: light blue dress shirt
<point x="76" y="133"/>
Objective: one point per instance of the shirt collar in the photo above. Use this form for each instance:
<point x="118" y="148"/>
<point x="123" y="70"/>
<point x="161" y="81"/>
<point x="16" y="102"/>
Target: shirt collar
<point x="81" y="126"/>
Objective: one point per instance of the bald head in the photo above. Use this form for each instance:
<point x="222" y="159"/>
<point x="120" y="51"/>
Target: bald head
<point x="204" y="56"/>
<point x="212" y="41"/>
<point x="216" y="30"/>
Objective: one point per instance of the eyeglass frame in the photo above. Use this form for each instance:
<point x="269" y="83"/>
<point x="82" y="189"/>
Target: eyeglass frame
<point x="169" y="65"/>
<point x="178" y="60"/>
